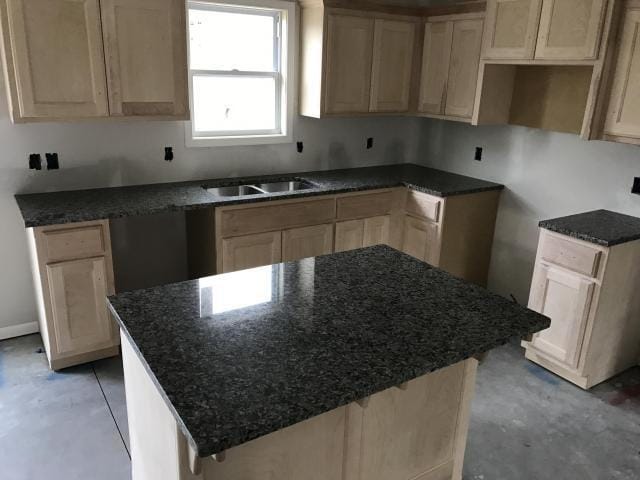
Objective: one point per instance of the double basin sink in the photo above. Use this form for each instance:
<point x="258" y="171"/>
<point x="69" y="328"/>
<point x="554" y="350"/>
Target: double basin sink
<point x="292" y="185"/>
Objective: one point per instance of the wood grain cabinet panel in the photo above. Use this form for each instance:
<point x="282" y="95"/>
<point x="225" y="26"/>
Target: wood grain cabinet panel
<point x="145" y="47"/>
<point x="570" y="29"/>
<point x="436" y="54"/>
<point x="420" y="239"/>
<point x="349" y="235"/>
<point x="463" y="69"/>
<point x="511" y="29"/>
<point x="393" y="445"/>
<point x="623" y="115"/>
<point x="393" y="48"/>
<point x="81" y="321"/>
<point x="54" y="55"/>
<point x="348" y="63"/>
<point x="250" y="251"/>
<point x="307" y="242"/>
<point x="566" y="299"/>
<point x="376" y="231"/>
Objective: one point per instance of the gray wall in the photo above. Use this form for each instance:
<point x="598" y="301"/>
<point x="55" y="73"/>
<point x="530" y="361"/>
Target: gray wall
<point x="96" y="154"/>
<point x="547" y="175"/>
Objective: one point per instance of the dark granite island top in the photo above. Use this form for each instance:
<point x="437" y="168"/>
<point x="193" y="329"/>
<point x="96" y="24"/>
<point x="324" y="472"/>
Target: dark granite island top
<point x="238" y="356"/>
<point x="602" y="227"/>
<point x="40" y="209"/>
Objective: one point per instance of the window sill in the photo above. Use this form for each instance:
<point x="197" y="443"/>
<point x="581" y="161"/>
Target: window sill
<point x="236" y="140"/>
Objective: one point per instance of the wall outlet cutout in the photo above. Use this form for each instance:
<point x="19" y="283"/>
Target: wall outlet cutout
<point x="369" y="143"/>
<point x="299" y="147"/>
<point x="478" y="155"/>
<point x="52" y="161"/>
<point x="168" y="153"/>
<point x="35" y="161"/>
<point x="636" y="186"/>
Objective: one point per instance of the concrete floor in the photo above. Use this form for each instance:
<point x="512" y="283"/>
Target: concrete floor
<point x="527" y="424"/>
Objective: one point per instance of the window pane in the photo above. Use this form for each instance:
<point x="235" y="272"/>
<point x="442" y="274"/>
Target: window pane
<point x="233" y="103"/>
<point x="228" y="41"/>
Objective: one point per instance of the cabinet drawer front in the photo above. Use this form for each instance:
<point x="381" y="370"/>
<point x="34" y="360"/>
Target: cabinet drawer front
<point x="69" y="243"/>
<point x="276" y="217"/>
<point x="369" y="205"/>
<point x="423" y="205"/>
<point x="571" y="255"/>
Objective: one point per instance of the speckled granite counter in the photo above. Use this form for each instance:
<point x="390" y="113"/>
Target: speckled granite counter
<point x="602" y="227"/>
<point x="83" y="205"/>
<point x="240" y="355"/>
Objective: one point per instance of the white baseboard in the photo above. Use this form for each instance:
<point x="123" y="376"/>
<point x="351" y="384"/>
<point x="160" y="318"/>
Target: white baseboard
<point x="18" y="330"/>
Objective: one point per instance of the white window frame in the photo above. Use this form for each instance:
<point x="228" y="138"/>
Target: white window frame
<point x="285" y="13"/>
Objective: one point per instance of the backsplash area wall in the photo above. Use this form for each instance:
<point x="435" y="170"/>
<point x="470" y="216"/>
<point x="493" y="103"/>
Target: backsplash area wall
<point x="98" y="154"/>
<point x="547" y="175"/>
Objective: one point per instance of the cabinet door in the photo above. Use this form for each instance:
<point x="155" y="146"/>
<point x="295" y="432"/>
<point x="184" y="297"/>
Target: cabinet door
<point x="78" y="290"/>
<point x="376" y="231"/>
<point x="348" y="64"/>
<point x="623" y="116"/>
<point x="58" y="60"/>
<point x="251" y="251"/>
<point x="436" y="54"/>
<point x="463" y="72"/>
<point x="565" y="298"/>
<point x="145" y="48"/>
<point x="349" y="235"/>
<point x="420" y="240"/>
<point x="411" y="433"/>
<point x="570" y="29"/>
<point x="307" y="242"/>
<point x="511" y="29"/>
<point x="393" y="48"/>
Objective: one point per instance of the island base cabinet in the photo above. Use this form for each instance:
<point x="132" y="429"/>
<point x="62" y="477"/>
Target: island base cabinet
<point x="416" y="430"/>
<point x="73" y="275"/>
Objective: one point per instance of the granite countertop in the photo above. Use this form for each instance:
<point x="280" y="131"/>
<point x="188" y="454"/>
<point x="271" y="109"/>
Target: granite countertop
<point x="41" y="209"/>
<point x="602" y="227"/>
<point x="235" y="363"/>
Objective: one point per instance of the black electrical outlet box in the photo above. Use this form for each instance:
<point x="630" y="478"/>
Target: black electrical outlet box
<point x="478" y="155"/>
<point x="299" y="147"/>
<point x="369" y="143"/>
<point x="52" y="161"/>
<point x="168" y="153"/>
<point x="35" y="161"/>
<point x="636" y="186"/>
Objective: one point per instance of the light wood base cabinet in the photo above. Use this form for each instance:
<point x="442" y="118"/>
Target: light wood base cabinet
<point x="590" y="294"/>
<point x="73" y="274"/>
<point x="418" y="431"/>
<point x="453" y="233"/>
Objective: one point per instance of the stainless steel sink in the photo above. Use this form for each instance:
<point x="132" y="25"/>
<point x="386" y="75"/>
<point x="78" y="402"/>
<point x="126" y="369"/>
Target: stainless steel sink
<point x="259" y="188"/>
<point x="290" y="186"/>
<point x="234" y="191"/>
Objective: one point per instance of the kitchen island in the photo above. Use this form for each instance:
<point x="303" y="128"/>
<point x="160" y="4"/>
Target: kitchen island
<point x="356" y="365"/>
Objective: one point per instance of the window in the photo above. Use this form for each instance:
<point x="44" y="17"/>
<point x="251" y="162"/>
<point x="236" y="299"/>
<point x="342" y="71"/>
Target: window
<point x="241" y="72"/>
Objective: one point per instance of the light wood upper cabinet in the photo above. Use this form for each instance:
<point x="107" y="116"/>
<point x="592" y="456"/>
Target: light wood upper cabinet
<point x="73" y="59"/>
<point x="511" y="29"/>
<point x="348" y="64"/>
<point x="145" y="46"/>
<point x="78" y="290"/>
<point x="55" y="63"/>
<point x="250" y="251"/>
<point x="570" y="29"/>
<point x="451" y="56"/>
<point x="393" y="48"/>
<point x="565" y="298"/>
<point x="623" y="115"/>
<point x="436" y="55"/>
<point x="307" y="242"/>
<point x="463" y="70"/>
